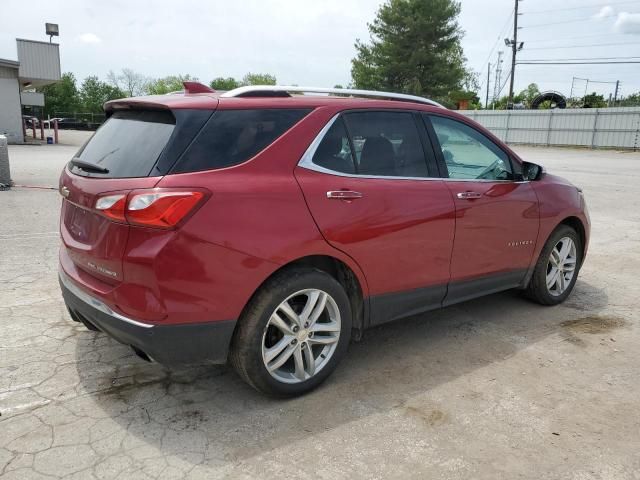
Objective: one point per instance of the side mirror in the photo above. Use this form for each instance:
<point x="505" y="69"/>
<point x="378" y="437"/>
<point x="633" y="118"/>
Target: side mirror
<point x="531" y="172"/>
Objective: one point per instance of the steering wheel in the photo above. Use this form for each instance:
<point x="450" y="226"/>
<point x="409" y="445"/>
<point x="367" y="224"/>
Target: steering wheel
<point x="492" y="171"/>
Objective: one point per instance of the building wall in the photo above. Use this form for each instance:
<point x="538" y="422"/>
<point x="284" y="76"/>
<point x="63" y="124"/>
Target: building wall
<point x="587" y="127"/>
<point x="39" y="61"/>
<point x="10" y="111"/>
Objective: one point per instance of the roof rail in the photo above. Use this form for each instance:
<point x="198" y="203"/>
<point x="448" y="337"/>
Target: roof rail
<point x="273" y="90"/>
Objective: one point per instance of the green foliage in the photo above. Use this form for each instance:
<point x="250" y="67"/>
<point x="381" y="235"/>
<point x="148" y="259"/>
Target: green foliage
<point x="229" y="83"/>
<point x="528" y="95"/>
<point x="94" y="93"/>
<point x="224" y="84"/>
<point x="525" y="97"/>
<point x="632" y="100"/>
<point x="593" y="100"/>
<point x="62" y="96"/>
<point x="415" y="47"/>
<point x="172" y="83"/>
<point x="258" y="79"/>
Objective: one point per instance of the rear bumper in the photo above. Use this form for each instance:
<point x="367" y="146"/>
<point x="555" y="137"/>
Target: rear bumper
<point x="184" y="344"/>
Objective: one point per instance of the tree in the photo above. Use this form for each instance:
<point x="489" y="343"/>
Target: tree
<point x="132" y="83"/>
<point x="94" y="93"/>
<point x="632" y="100"/>
<point x="593" y="100"/>
<point x="258" y="79"/>
<point x="415" y="47"/>
<point x="61" y="96"/>
<point x="172" y="83"/>
<point x="224" y="84"/>
<point x="528" y="95"/>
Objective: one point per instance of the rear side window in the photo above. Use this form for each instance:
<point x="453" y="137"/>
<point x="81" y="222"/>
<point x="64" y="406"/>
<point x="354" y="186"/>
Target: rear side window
<point x="386" y="144"/>
<point x="334" y="152"/>
<point x="231" y="137"/>
<point x="129" y="143"/>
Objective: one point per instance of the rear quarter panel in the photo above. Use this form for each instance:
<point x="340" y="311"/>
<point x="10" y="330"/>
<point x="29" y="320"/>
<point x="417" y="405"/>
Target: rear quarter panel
<point x="255" y="222"/>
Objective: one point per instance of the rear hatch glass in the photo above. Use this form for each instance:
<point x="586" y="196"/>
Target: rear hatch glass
<point x="127" y="145"/>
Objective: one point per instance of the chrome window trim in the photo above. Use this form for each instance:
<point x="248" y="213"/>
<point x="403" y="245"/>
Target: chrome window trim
<point x="306" y="161"/>
<point x="95" y="303"/>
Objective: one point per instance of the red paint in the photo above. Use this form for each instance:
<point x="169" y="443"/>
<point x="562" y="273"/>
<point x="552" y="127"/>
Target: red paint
<point x="267" y="212"/>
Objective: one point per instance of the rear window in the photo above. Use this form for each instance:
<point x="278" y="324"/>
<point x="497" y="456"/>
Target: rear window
<point x="128" y="144"/>
<point x="231" y="137"/>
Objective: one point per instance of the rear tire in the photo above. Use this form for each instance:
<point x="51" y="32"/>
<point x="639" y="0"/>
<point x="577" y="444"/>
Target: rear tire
<point x="556" y="271"/>
<point x="293" y="333"/>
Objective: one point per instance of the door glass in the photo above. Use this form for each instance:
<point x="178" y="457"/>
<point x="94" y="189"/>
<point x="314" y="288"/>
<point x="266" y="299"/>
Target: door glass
<point x="386" y="144"/>
<point x="468" y="154"/>
<point x="334" y="152"/>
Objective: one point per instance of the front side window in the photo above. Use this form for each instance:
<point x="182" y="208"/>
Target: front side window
<point x="468" y="154"/>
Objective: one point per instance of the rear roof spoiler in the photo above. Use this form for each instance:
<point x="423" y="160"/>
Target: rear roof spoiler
<point x="197" y="87"/>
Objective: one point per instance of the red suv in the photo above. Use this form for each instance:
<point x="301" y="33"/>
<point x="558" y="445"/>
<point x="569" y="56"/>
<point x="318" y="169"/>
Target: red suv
<point x="269" y="227"/>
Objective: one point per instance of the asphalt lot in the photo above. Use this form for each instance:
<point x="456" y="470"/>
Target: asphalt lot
<point x="493" y="388"/>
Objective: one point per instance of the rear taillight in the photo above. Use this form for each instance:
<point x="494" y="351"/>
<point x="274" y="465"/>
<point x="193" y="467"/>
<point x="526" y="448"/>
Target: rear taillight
<point x="162" y="210"/>
<point x="112" y="206"/>
<point x="155" y="208"/>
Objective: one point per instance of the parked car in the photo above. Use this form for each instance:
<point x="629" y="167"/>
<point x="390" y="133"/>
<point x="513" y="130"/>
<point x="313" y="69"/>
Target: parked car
<point x="269" y="229"/>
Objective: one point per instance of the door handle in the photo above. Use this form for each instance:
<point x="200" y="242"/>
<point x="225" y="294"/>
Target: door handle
<point x="343" y="194"/>
<point x="468" y="195"/>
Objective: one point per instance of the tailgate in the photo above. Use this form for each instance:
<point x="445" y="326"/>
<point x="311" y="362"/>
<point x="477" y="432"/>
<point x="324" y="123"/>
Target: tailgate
<point x="92" y="242"/>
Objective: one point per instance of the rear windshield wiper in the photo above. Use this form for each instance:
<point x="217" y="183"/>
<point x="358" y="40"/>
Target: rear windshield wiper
<point x="88" y="166"/>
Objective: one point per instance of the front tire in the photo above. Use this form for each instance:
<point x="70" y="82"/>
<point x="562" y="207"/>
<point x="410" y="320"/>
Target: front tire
<point x="293" y="333"/>
<point x="556" y="271"/>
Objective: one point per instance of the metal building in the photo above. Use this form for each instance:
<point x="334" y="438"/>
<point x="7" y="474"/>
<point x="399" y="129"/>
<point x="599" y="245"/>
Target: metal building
<point x="38" y="64"/>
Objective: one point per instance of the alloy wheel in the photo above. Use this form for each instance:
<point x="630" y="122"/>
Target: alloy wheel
<point x="301" y="336"/>
<point x="561" y="266"/>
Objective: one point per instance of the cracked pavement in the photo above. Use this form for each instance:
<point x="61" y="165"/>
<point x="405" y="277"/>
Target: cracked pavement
<point x="493" y="388"/>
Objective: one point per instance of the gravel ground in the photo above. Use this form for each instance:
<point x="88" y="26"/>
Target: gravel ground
<point x="493" y="388"/>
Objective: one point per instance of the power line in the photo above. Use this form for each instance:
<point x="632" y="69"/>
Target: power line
<point x="595" y="5"/>
<point x="587" y="45"/>
<point x="555" y="39"/>
<point x="580" y="63"/>
<point x="575" y="20"/>
<point x="498" y="39"/>
<point x="577" y="59"/>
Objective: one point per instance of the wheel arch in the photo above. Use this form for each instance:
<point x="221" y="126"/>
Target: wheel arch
<point x="342" y="273"/>
<point x="578" y="226"/>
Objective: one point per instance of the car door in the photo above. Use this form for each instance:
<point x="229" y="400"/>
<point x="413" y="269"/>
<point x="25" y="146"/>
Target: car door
<point x="497" y="216"/>
<point x="371" y="187"/>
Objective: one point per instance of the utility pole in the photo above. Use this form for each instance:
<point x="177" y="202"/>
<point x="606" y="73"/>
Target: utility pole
<point x="615" y="95"/>
<point x="486" y="102"/>
<point x="497" y="85"/>
<point x="515" y="48"/>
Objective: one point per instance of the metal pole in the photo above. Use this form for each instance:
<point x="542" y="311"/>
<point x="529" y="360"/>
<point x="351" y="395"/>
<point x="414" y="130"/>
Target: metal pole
<point x="572" y="82"/>
<point x="5" y="174"/>
<point x="55" y="131"/>
<point x="514" y="49"/>
<point x="615" y="96"/>
<point x="486" y="102"/>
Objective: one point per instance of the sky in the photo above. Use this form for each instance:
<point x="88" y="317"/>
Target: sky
<point x="311" y="42"/>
